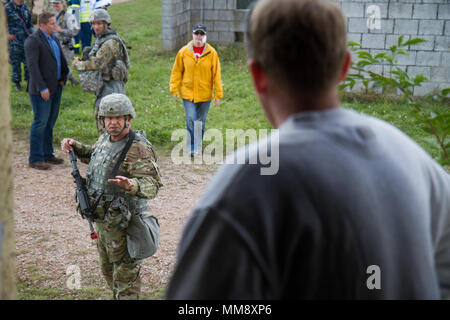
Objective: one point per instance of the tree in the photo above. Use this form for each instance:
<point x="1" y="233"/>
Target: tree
<point x="7" y="237"/>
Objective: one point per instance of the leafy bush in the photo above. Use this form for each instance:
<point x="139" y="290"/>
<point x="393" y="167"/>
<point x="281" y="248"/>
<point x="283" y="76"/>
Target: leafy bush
<point x="397" y="81"/>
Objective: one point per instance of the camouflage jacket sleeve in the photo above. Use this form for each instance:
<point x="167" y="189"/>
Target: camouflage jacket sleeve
<point x="107" y="52"/>
<point x="140" y="166"/>
<point x="84" y="151"/>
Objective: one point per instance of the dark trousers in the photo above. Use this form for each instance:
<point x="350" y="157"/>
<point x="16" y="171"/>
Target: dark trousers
<point x="85" y="34"/>
<point x="41" y="132"/>
<point x="16" y="58"/>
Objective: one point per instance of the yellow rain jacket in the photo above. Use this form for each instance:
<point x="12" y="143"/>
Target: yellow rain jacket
<point x="198" y="80"/>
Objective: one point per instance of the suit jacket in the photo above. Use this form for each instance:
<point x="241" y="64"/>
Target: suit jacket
<point x="42" y="64"/>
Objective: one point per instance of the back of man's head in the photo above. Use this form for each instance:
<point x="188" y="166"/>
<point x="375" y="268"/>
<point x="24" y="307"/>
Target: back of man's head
<point x="301" y="44"/>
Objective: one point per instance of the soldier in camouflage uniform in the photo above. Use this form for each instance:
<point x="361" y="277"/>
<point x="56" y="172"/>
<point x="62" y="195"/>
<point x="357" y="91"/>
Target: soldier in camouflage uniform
<point x="19" y="28"/>
<point x="138" y="179"/>
<point x="108" y="55"/>
<point x="67" y="28"/>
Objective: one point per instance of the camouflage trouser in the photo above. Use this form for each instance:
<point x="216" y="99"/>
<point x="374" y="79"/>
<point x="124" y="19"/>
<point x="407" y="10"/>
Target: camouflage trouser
<point x="16" y="57"/>
<point x="121" y="273"/>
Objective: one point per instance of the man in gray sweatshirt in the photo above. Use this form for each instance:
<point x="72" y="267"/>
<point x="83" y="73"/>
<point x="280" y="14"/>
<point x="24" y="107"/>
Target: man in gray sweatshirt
<point x="356" y="209"/>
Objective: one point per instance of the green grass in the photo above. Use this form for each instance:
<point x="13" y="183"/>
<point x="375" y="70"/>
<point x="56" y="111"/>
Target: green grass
<point x="139" y="23"/>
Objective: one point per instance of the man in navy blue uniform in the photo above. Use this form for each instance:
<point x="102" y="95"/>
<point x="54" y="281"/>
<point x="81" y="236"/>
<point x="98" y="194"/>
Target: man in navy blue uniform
<point x="19" y="28"/>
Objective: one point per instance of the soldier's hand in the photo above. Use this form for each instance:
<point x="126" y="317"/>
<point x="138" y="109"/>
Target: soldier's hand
<point x="75" y="61"/>
<point x="122" y="182"/>
<point x="11" y="37"/>
<point x="66" y="145"/>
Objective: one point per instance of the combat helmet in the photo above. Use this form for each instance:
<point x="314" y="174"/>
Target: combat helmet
<point x="116" y="104"/>
<point x="100" y="15"/>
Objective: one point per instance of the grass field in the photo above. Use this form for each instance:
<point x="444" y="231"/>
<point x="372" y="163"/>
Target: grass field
<point x="139" y="23"/>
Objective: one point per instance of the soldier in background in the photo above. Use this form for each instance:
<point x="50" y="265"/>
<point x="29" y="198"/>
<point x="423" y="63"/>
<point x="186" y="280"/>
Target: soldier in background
<point x="18" y="18"/>
<point x="67" y="28"/>
<point x="138" y="179"/>
<point x="109" y="56"/>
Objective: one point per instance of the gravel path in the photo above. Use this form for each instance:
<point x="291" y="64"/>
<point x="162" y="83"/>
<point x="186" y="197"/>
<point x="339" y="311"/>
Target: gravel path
<point x="51" y="236"/>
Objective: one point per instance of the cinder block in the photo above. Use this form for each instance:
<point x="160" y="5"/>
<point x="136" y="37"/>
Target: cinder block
<point x="425" y="11"/>
<point x="353" y="9"/>
<point x="442" y="43"/>
<point x="376" y="68"/>
<point x="387" y="27"/>
<point x="426" y="88"/>
<point x="406" y="26"/>
<point x="413" y="71"/>
<point x="392" y="40"/>
<point x="382" y="7"/>
<point x="213" y="36"/>
<point x="428" y="58"/>
<point x="374" y="41"/>
<point x="169" y="45"/>
<point x="447" y="28"/>
<point x="427" y="45"/>
<point x="357" y="25"/>
<point x="434" y="27"/>
<point x="226" y="37"/>
<point x="356" y="37"/>
<point x="231" y="4"/>
<point x="208" y="5"/>
<point x="220" y="4"/>
<point x="211" y="14"/>
<point x="439" y="74"/>
<point x="238" y="26"/>
<point x="407" y="60"/>
<point x="444" y="11"/>
<point x="226" y="15"/>
<point x="196" y="4"/>
<point x="446" y="58"/>
<point x="400" y="10"/>
<point x="221" y="26"/>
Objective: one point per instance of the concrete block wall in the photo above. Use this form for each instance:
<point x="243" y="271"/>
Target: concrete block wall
<point x="175" y="19"/>
<point x="376" y="24"/>
<point x="221" y="18"/>
<point x="426" y="19"/>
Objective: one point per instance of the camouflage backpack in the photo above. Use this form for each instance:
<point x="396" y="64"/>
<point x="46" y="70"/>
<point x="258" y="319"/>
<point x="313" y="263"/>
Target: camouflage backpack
<point x="91" y="81"/>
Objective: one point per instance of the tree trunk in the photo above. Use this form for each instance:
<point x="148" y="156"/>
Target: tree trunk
<point x="7" y="237"/>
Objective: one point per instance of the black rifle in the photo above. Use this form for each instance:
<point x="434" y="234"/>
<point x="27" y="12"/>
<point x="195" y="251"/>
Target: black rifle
<point x="82" y="195"/>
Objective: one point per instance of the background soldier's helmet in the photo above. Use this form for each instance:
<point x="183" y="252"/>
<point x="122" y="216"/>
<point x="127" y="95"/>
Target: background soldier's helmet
<point x="116" y="104"/>
<point x="100" y="15"/>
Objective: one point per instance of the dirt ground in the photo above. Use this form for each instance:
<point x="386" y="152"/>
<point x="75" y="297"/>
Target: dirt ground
<point x="51" y="236"/>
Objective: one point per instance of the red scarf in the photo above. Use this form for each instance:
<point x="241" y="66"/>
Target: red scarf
<point x="198" y="51"/>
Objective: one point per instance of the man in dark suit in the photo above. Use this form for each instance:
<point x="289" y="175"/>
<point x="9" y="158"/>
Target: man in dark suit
<point x="48" y="74"/>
